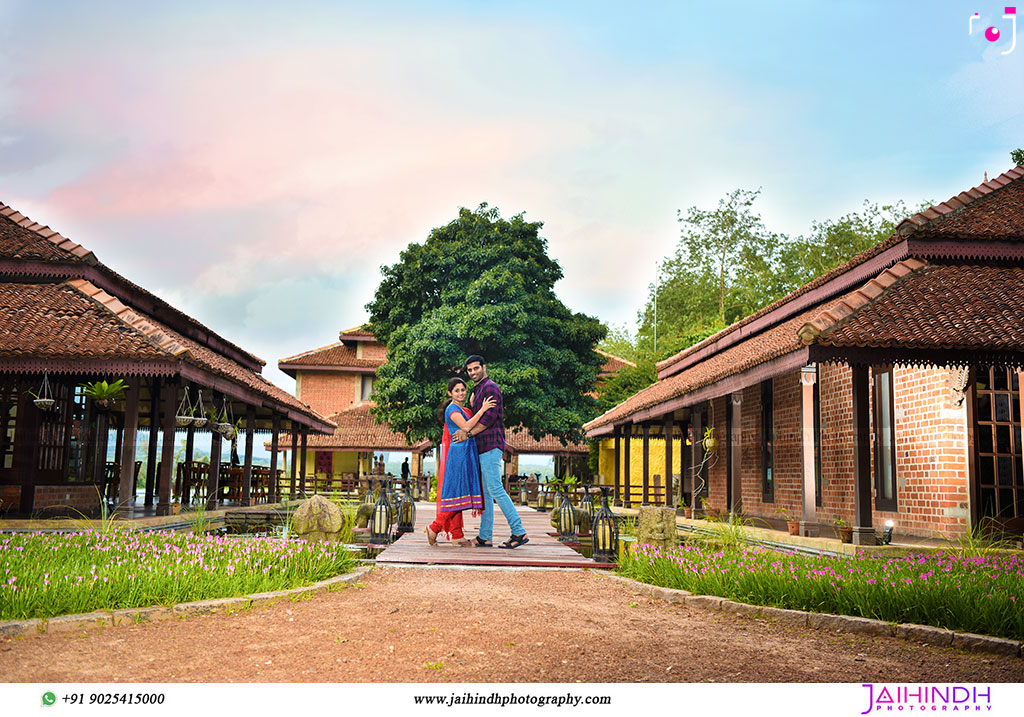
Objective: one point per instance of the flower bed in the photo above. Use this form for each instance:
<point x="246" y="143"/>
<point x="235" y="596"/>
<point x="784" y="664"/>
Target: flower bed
<point x="971" y="594"/>
<point x="49" y="574"/>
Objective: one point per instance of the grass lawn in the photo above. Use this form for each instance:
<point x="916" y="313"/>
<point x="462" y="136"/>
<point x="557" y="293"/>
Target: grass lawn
<point x="982" y="594"/>
<point x="49" y="574"/>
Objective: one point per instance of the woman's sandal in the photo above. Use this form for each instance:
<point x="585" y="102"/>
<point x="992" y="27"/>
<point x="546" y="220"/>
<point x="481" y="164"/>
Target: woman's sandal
<point x="431" y="536"/>
<point x="462" y="543"/>
<point x="515" y="541"/>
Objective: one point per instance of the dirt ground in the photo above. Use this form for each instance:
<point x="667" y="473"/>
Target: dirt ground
<point x="438" y="625"/>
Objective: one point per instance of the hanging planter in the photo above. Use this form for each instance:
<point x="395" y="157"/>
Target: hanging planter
<point x="198" y="415"/>
<point x="221" y="422"/>
<point x="185" y="413"/>
<point x="44" y="399"/>
<point x="104" y="394"/>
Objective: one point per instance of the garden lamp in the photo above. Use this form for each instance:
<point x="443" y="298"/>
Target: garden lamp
<point x="566" y="519"/>
<point x="406" y="513"/>
<point x="587" y="504"/>
<point x="380" y="525"/>
<point x="887" y="533"/>
<point x="605" y="532"/>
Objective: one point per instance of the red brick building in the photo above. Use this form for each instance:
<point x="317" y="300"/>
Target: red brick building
<point x="886" y="389"/>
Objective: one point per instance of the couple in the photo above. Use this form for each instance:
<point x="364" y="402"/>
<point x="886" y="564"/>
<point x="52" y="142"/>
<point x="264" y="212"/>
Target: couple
<point x="470" y="462"/>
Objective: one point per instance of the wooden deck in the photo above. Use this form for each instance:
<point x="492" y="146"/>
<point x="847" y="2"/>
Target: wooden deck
<point x="542" y="550"/>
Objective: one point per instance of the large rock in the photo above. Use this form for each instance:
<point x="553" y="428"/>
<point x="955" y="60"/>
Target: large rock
<point x="318" y="519"/>
<point x="657" y="526"/>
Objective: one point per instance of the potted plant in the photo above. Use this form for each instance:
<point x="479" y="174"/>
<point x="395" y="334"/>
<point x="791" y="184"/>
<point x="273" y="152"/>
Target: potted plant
<point x="687" y="510"/>
<point x="105" y="394"/>
<point x="44" y="399"/>
<point x="792" y="524"/>
<point x="186" y="411"/>
<point x="843" y="529"/>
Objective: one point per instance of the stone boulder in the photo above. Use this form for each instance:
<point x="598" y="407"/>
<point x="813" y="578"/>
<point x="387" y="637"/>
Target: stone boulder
<point x="363" y="514"/>
<point x="657" y="526"/>
<point x="318" y="519"/>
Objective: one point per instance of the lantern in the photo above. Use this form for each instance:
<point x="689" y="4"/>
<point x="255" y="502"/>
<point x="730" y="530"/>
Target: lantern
<point x="566" y="518"/>
<point x="587" y="505"/>
<point x="406" y="514"/>
<point x="605" y="532"/>
<point x="887" y="533"/>
<point x="380" y="520"/>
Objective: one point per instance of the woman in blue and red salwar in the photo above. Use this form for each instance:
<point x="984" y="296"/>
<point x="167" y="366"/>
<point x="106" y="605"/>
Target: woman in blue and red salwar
<point x="458" y="467"/>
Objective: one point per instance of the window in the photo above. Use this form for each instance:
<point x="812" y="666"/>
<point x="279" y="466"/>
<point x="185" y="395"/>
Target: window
<point x="767" y="442"/>
<point x="8" y="422"/>
<point x="885" y="440"/>
<point x="367" y="388"/>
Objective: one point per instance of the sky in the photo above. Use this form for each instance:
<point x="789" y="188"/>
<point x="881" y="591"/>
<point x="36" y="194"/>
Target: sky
<point x="255" y="164"/>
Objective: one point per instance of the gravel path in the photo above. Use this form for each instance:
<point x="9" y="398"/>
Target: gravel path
<point x="437" y="625"/>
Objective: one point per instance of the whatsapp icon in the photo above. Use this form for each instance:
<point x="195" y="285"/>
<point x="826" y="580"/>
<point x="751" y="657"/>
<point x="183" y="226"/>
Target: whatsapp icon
<point x="49" y="698"/>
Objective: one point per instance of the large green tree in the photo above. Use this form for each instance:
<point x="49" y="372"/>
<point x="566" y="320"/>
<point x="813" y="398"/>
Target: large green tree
<point x="1017" y="155"/>
<point x="483" y="285"/>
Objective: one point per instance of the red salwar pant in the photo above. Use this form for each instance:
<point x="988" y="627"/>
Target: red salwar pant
<point x="450" y="522"/>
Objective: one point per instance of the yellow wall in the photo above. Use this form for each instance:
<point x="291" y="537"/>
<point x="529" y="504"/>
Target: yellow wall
<point x="656" y="461"/>
<point x="342" y="462"/>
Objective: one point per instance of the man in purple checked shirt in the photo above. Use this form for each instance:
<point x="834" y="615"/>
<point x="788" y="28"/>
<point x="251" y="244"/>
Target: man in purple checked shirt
<point x="490" y="443"/>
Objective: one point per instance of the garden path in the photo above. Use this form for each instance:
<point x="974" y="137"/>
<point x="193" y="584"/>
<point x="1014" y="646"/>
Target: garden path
<point x="483" y="625"/>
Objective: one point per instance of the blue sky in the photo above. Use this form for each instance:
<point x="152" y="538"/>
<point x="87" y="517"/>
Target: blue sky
<point x="255" y="163"/>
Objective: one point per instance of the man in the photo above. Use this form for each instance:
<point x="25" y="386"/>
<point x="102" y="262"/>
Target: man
<point x="490" y="443"/>
<point x="405" y="469"/>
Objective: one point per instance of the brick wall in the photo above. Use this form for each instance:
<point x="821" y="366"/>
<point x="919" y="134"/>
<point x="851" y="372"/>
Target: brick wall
<point x="328" y="392"/>
<point x="373" y="350"/>
<point x="81" y="497"/>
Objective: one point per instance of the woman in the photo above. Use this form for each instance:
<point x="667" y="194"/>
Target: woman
<point x="458" y="468"/>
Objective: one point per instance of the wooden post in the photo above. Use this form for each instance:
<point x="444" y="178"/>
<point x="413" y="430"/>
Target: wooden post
<point x="646" y="498"/>
<point x="213" y="485"/>
<point x="190" y="444"/>
<point x="129" y="432"/>
<point x="618" y="461"/>
<point x="273" y="490"/>
<point x="26" y="443"/>
<point x="808" y="517"/>
<point x="627" y="499"/>
<point x="670" y="494"/>
<point x="302" y="462"/>
<point x="295" y="462"/>
<point x="250" y="427"/>
<point x="154" y="422"/>
<point x="695" y="459"/>
<point x="163" y="505"/>
<point x="736" y="453"/>
<point x="863" y="532"/>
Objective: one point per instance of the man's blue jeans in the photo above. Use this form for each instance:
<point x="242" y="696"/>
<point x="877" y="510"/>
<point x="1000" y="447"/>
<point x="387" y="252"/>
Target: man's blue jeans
<point x="490" y="476"/>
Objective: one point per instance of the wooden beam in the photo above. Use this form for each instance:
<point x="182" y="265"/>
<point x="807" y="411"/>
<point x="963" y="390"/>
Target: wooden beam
<point x="154" y="421"/>
<point x="670" y="494"/>
<point x="213" y="484"/>
<point x="190" y="444"/>
<point x="163" y="504"/>
<point x="617" y="496"/>
<point x="302" y="463"/>
<point x="26" y="443"/>
<point x="250" y="424"/>
<point x="646" y="498"/>
<point x="627" y="488"/>
<point x="129" y="437"/>
<point x="863" y="532"/>
<point x="273" y="488"/>
<point x="295" y="455"/>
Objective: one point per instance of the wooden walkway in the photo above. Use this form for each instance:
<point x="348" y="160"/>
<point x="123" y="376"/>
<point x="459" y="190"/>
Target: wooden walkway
<point x="542" y="550"/>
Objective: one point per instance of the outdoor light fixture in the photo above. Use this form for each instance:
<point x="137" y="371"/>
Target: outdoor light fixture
<point x="605" y="532"/>
<point x="406" y="513"/>
<point x="566" y="519"/>
<point x="887" y="533"/>
<point x="380" y="524"/>
<point x="587" y="505"/>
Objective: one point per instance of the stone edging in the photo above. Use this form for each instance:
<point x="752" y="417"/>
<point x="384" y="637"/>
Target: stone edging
<point x="65" y="623"/>
<point x="837" y="623"/>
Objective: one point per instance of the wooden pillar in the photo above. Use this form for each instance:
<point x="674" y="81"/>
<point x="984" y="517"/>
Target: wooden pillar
<point x="627" y="488"/>
<point x="273" y="490"/>
<point x="26" y="442"/>
<point x="295" y="462"/>
<point x="670" y="494"/>
<point x="808" y="516"/>
<point x="118" y="439"/>
<point x="190" y="445"/>
<point x="154" y="422"/>
<point x="250" y="426"/>
<point x="736" y="453"/>
<point x="617" y="494"/>
<point x="646" y="498"/>
<point x="129" y="433"/>
<point x="863" y="532"/>
<point x="100" y="440"/>
<point x="163" y="504"/>
<point x="695" y="459"/>
<point x="213" y="486"/>
<point x="302" y="463"/>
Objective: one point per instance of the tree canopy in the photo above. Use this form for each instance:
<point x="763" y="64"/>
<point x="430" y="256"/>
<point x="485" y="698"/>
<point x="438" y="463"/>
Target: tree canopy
<point x="1017" y="155"/>
<point x="483" y="285"/>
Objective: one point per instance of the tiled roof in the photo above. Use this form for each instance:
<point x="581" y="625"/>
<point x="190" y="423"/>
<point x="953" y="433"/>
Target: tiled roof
<point x="613" y="364"/>
<point x="337" y="354"/>
<point x="937" y="306"/>
<point x="357" y="431"/>
<point x="25" y="240"/>
<point x="356" y="332"/>
<point x="999" y="216"/>
<point x="522" y="442"/>
<point x="76" y="320"/>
